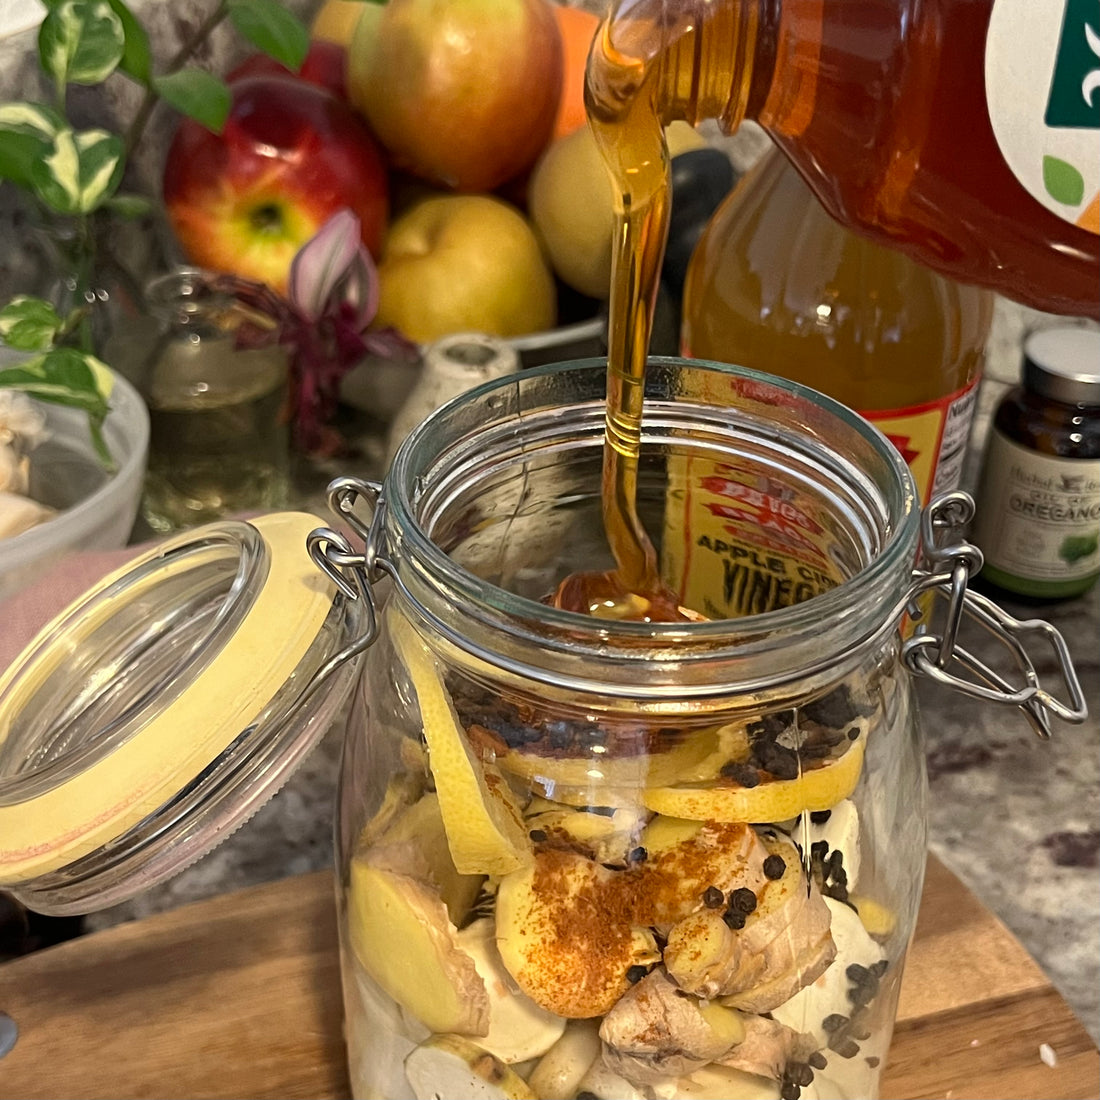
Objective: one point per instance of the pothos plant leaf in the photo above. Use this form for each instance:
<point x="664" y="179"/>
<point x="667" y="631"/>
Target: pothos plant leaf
<point x="271" y="29"/>
<point x="66" y="376"/>
<point x="130" y="205"/>
<point x="80" y="42"/>
<point x="29" y="324"/>
<point x="137" y="57"/>
<point x="197" y="95"/>
<point x="27" y="132"/>
<point x="80" y="171"/>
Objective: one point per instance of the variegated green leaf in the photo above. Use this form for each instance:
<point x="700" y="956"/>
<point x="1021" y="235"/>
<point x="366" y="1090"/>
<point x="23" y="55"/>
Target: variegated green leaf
<point x="137" y="57"/>
<point x="65" y="376"/>
<point x="30" y="324"/>
<point x="81" y="171"/>
<point x="27" y="131"/>
<point x="18" y="153"/>
<point x="31" y="118"/>
<point x="80" y="42"/>
<point x="272" y="29"/>
<point x="197" y="95"/>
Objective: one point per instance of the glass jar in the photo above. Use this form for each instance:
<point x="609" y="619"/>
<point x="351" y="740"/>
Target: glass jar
<point x="215" y="382"/>
<point x="582" y="857"/>
<point x="576" y="856"/>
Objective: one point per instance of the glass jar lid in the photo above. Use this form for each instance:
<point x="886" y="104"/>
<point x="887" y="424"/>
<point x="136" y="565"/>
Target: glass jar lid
<point x="161" y="709"/>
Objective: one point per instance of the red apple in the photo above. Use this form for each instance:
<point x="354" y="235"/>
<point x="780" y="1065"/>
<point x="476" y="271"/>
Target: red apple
<point x="291" y="154"/>
<point x="462" y="93"/>
<point x="325" y="64"/>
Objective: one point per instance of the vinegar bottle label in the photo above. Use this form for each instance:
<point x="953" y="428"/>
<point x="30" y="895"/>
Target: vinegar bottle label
<point x="932" y="438"/>
<point x="737" y="543"/>
<point x="1042" y="81"/>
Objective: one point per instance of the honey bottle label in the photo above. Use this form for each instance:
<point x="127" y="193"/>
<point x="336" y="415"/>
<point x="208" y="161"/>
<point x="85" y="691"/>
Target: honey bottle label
<point x="1042" y="80"/>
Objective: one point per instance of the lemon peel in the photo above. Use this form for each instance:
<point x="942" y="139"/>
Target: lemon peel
<point x="592" y="771"/>
<point x="878" y="919"/>
<point x="484" y="824"/>
<point x="816" y="789"/>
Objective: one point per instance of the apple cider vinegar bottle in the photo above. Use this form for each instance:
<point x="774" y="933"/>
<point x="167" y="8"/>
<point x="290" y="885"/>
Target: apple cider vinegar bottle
<point x="778" y="285"/>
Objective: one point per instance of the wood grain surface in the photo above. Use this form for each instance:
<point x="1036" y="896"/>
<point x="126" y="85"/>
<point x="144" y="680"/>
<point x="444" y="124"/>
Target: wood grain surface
<point x="239" y="996"/>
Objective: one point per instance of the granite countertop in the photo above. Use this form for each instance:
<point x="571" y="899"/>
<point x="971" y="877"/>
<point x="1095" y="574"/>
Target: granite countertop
<point x="1014" y="817"/>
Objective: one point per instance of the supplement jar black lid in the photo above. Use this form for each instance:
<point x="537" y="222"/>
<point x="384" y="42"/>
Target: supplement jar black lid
<point x="1062" y="363"/>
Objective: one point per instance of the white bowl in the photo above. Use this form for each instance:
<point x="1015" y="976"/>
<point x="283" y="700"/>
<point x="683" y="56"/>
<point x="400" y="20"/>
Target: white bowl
<point x="97" y="509"/>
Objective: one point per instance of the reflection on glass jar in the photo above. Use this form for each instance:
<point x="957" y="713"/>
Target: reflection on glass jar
<point x="625" y="859"/>
<point x="216" y="386"/>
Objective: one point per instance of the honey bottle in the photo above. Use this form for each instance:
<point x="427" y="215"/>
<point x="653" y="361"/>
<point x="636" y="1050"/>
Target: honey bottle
<point x="778" y="285"/>
<point x="961" y="131"/>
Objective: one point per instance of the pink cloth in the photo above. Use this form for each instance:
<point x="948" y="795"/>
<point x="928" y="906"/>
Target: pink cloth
<point x="25" y="613"/>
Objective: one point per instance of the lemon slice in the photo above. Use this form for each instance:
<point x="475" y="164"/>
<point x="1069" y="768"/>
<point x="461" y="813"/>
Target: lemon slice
<point x="818" y="788"/>
<point x="595" y="771"/>
<point x="484" y="825"/>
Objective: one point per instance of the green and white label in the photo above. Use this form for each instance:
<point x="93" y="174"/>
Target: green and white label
<point x="1038" y="516"/>
<point x="1042" y="83"/>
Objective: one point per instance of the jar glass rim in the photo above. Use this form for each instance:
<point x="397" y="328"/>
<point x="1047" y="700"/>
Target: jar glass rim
<point x="504" y="400"/>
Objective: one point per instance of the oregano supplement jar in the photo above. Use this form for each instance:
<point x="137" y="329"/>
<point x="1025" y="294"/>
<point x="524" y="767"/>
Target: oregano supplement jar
<point x="1038" y="518"/>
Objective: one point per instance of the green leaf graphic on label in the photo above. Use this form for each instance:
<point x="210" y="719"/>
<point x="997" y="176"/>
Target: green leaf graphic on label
<point x="1063" y="181"/>
<point x="1075" y="547"/>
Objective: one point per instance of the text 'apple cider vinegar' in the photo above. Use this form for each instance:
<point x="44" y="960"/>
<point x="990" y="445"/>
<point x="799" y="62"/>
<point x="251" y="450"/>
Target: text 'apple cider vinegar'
<point x="960" y="131"/>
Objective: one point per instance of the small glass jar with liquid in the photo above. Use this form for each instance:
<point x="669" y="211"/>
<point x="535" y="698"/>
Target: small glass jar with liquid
<point x="216" y="386"/>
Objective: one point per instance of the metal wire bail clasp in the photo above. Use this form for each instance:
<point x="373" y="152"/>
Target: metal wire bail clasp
<point x="353" y="571"/>
<point x="951" y="561"/>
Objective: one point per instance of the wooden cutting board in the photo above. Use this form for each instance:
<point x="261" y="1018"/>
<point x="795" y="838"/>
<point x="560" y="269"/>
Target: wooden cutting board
<point x="239" y="996"/>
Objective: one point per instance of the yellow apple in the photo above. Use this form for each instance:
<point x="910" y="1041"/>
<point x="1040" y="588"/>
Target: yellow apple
<point x="462" y="93"/>
<point x="571" y="201"/>
<point x="464" y="263"/>
<point x="336" y="19"/>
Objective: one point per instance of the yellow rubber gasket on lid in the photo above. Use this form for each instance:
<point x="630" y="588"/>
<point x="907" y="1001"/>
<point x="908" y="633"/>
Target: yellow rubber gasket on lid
<point x="120" y="788"/>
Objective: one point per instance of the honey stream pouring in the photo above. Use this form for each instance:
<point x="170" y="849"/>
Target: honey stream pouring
<point x="882" y="145"/>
